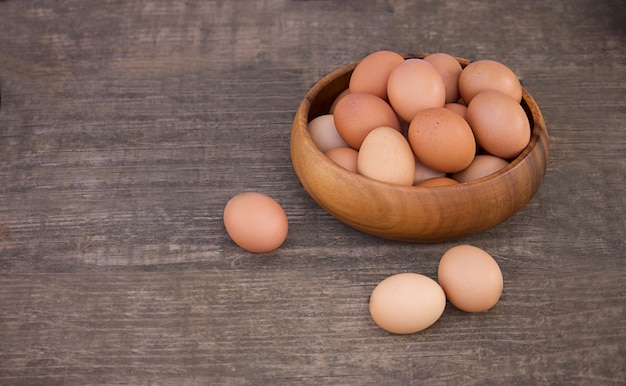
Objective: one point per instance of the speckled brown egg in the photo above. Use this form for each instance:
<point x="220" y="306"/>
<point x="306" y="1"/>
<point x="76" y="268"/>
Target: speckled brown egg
<point x="442" y="140"/>
<point x="415" y="85"/>
<point x="486" y="74"/>
<point x="470" y="278"/>
<point x="356" y="114"/>
<point x="372" y="73"/>
<point x="337" y="99"/>
<point x="500" y="124"/>
<point x="450" y="69"/>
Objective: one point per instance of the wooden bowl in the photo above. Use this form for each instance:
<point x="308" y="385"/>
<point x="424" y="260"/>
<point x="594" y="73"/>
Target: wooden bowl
<point x="414" y="214"/>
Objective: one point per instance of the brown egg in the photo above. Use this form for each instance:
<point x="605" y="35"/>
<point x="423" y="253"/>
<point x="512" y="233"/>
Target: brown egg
<point x="482" y="166"/>
<point x="339" y="97"/>
<point x="371" y="74"/>
<point x="344" y="156"/>
<point x="357" y="114"/>
<point x="488" y="75"/>
<point x="324" y="133"/>
<point x="471" y="278"/>
<point x="499" y="123"/>
<point x="442" y="140"/>
<point x="385" y="155"/>
<point x="255" y="222"/>
<point x="457" y="108"/>
<point x="415" y="85"/>
<point x="437" y="181"/>
<point x="406" y="303"/>
<point x="450" y="69"/>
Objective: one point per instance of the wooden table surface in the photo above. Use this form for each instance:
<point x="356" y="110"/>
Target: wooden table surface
<point x="125" y="127"/>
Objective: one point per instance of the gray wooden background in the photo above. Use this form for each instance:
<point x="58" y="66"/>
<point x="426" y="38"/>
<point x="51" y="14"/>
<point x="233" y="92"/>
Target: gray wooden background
<point x="125" y="127"/>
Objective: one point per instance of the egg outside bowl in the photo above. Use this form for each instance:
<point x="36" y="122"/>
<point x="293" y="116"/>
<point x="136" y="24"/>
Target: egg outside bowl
<point x="411" y="213"/>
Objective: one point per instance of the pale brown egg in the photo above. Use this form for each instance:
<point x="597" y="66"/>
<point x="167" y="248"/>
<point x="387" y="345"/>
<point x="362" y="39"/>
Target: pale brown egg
<point x="442" y="140"/>
<point x="482" y="166"/>
<point x="450" y="69"/>
<point x="471" y="278"/>
<point x="255" y="222"/>
<point x="484" y="75"/>
<point x="324" y="133"/>
<point x="415" y="85"/>
<point x="345" y="157"/>
<point x="499" y="123"/>
<point x="357" y="114"/>
<point x="406" y="303"/>
<point x="437" y="182"/>
<point x="386" y="155"/>
<point x="423" y="173"/>
<point x="371" y="74"/>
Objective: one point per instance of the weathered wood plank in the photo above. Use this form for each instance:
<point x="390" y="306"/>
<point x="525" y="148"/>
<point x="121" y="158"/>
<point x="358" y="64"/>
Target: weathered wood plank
<point x="125" y="128"/>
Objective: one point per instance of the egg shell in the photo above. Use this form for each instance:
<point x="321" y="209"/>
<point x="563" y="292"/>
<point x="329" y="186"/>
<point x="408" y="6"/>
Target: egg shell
<point x="450" y="69"/>
<point x="357" y="114"/>
<point x="345" y="157"/>
<point x="482" y="166"/>
<point x="499" y="123"/>
<point x="324" y="133"/>
<point x="423" y="173"/>
<point x="372" y="73"/>
<point x="339" y="97"/>
<point x="485" y="75"/>
<point x="406" y="303"/>
<point x="457" y="108"/>
<point x="415" y="85"/>
<point x="442" y="140"/>
<point x="386" y="155"/>
<point x="437" y="182"/>
<point x="255" y="222"/>
<point x="471" y="278"/>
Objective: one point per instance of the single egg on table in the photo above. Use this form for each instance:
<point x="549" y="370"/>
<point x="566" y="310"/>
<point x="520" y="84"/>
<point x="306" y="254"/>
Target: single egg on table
<point x="406" y="303"/>
<point x="255" y="222"/>
<point x="470" y="278"/>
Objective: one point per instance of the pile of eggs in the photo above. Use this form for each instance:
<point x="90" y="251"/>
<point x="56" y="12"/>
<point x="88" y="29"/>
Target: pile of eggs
<point x="425" y="122"/>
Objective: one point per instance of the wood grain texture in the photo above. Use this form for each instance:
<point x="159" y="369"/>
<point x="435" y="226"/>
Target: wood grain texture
<point x="125" y="127"/>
